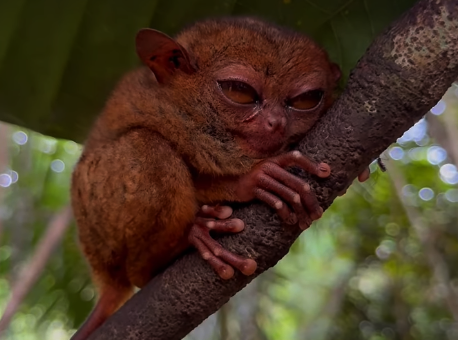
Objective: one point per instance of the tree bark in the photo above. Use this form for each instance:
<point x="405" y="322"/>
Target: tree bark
<point x="402" y="75"/>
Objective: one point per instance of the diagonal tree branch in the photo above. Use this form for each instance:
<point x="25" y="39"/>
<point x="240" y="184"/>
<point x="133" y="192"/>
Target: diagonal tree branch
<point x="402" y="75"/>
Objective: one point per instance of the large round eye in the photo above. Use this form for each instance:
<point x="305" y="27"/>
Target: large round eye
<point x="239" y="92"/>
<point x="307" y="100"/>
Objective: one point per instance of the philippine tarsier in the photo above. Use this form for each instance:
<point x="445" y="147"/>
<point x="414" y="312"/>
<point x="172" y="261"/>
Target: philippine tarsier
<point x="212" y="118"/>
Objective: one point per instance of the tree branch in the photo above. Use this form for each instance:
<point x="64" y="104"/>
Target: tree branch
<point x="402" y="75"/>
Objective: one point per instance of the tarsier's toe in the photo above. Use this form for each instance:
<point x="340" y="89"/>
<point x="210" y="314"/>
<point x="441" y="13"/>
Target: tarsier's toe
<point x="324" y="170"/>
<point x="233" y="225"/>
<point x="292" y="219"/>
<point x="226" y="272"/>
<point x="316" y="215"/>
<point x="236" y="225"/>
<point x="304" y="224"/>
<point x="220" y="211"/>
<point x="223" y="270"/>
<point x="364" y="176"/>
<point x="249" y="267"/>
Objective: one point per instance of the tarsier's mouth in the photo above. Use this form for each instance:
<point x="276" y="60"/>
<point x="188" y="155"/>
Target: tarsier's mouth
<point x="262" y="148"/>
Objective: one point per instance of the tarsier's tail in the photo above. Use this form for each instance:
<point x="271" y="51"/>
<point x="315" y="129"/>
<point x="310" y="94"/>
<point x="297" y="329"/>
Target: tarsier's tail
<point x="111" y="298"/>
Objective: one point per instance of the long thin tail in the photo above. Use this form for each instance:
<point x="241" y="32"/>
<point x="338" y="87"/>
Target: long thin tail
<point x="111" y="298"/>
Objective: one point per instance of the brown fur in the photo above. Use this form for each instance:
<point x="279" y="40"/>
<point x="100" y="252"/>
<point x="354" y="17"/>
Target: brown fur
<point x="159" y="150"/>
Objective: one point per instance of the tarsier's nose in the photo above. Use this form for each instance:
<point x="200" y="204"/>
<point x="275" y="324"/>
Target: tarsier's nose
<point x="274" y="123"/>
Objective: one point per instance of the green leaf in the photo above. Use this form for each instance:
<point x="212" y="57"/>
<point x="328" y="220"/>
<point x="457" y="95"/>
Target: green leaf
<point x="59" y="60"/>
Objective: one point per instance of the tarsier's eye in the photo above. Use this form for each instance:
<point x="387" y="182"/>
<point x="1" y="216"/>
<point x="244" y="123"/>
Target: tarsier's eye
<point x="239" y="92"/>
<point x="307" y="100"/>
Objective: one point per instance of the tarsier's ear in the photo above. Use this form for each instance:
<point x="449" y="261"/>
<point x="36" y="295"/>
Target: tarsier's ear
<point x="336" y="72"/>
<point x="162" y="54"/>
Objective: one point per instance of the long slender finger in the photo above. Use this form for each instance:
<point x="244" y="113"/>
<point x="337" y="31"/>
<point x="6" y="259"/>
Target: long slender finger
<point x="276" y="203"/>
<point x="223" y="270"/>
<point x="296" y="158"/>
<point x="210" y="249"/>
<point x="233" y="225"/>
<point x="299" y="186"/>
<point x="343" y="192"/>
<point x="272" y="185"/>
<point x="218" y="211"/>
<point x="208" y="223"/>
<point x="246" y="266"/>
<point x="291" y="197"/>
<point x="364" y="176"/>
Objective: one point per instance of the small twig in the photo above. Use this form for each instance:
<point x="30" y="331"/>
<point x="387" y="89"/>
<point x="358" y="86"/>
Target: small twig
<point x="223" y="318"/>
<point x="4" y="133"/>
<point x="32" y="271"/>
<point x="451" y="126"/>
<point x="444" y="130"/>
<point x="437" y="131"/>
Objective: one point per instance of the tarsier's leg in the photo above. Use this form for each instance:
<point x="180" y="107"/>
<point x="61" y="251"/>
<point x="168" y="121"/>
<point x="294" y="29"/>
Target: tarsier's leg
<point x="219" y="258"/>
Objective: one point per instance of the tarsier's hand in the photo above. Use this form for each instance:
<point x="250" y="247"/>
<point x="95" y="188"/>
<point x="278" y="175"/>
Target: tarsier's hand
<point x="217" y="218"/>
<point x="272" y="184"/>
<point x="362" y="177"/>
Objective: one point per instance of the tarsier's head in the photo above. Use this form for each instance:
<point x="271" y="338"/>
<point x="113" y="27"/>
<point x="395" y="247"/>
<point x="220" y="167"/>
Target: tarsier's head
<point x="265" y="85"/>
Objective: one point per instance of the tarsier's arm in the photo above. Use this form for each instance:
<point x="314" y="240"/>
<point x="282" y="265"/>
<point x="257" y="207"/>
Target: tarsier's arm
<point x="270" y="182"/>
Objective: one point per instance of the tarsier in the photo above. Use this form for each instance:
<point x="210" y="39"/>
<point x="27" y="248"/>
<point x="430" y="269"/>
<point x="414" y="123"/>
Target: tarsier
<point x="212" y="118"/>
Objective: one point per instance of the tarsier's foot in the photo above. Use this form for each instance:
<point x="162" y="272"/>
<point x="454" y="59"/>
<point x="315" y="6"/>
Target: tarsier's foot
<point x="219" y="258"/>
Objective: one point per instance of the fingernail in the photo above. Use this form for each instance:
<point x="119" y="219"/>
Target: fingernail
<point x="343" y="192"/>
<point x="238" y="225"/>
<point x="317" y="214"/>
<point x="278" y="205"/>
<point x="324" y="169"/>
<point x="303" y="225"/>
<point x="210" y="225"/>
<point x="292" y="219"/>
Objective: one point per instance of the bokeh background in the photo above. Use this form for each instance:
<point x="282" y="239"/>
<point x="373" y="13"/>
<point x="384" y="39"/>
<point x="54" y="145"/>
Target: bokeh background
<point x="380" y="264"/>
